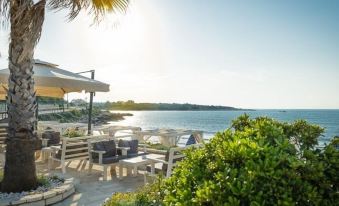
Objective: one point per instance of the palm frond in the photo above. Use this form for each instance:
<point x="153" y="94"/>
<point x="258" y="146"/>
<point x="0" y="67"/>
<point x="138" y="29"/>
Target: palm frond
<point x="98" y="8"/>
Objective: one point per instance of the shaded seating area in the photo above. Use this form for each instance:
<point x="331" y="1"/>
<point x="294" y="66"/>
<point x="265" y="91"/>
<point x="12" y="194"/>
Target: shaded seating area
<point x="103" y="152"/>
<point x="106" y="152"/>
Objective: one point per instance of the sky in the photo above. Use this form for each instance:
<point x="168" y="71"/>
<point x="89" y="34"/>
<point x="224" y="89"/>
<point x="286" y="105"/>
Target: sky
<point x="243" y="53"/>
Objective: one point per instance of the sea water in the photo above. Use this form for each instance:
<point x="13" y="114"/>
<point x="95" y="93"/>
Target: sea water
<point x="213" y="121"/>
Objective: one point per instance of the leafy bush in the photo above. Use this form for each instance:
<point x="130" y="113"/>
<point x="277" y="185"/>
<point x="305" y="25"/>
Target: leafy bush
<point x="149" y="195"/>
<point x="256" y="162"/>
<point x="43" y="181"/>
<point x="74" y="132"/>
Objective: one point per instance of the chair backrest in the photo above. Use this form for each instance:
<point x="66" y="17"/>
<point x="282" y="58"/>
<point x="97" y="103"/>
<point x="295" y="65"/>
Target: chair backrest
<point x="132" y="144"/>
<point x="74" y="148"/>
<point x="175" y="155"/>
<point x="99" y="142"/>
<point x="109" y="146"/>
<point x="52" y="136"/>
<point x="191" y="140"/>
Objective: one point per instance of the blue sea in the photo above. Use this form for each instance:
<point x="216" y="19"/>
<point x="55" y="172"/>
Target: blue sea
<point x="212" y="121"/>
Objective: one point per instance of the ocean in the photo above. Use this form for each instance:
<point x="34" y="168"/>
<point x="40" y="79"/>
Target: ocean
<point x="213" y="121"/>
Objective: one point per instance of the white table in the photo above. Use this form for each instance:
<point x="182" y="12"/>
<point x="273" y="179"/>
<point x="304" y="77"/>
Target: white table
<point x="136" y="162"/>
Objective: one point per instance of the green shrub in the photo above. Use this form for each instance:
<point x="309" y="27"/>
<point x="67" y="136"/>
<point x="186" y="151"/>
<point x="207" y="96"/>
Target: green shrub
<point x="256" y="162"/>
<point x="149" y="195"/>
<point x="43" y="181"/>
<point x="74" y="132"/>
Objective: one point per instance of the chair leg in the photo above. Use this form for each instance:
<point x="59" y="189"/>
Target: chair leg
<point x="63" y="167"/>
<point x="129" y="171"/>
<point x="105" y="173"/>
<point x="120" y="171"/>
<point x="145" y="178"/>
<point x="50" y="162"/>
<point x="113" y="170"/>
<point x="84" y="164"/>
<point x="135" y="171"/>
<point x="90" y="166"/>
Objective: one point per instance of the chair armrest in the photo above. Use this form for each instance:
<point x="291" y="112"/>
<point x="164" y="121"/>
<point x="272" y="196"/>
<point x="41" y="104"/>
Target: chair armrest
<point x="123" y="150"/>
<point x="157" y="160"/>
<point x="55" y="148"/>
<point x="98" y="151"/>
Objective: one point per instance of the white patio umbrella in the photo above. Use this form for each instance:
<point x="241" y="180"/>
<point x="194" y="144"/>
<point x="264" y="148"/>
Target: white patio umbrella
<point x="51" y="81"/>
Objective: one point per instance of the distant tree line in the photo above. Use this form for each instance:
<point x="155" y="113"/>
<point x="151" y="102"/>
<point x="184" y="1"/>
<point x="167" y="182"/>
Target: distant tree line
<point x="131" y="105"/>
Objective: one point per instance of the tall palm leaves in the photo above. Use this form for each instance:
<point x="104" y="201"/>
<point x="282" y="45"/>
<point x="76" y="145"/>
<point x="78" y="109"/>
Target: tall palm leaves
<point x="26" y="18"/>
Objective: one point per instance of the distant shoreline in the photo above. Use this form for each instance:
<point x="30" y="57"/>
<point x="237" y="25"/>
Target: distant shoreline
<point x="99" y="117"/>
<point x="133" y="106"/>
<point x="178" y="110"/>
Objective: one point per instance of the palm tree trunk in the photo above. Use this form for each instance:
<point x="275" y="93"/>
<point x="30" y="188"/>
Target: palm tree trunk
<point x="26" y="21"/>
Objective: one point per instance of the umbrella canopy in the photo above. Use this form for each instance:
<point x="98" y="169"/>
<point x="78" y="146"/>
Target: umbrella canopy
<point x="51" y="81"/>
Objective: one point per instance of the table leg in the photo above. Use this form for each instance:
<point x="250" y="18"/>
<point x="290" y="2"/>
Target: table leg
<point x="129" y="171"/>
<point x="135" y="171"/>
<point x="152" y="168"/>
<point x="43" y="156"/>
<point x="121" y="175"/>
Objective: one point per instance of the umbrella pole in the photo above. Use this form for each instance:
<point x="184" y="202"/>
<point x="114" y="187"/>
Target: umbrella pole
<point x="90" y="108"/>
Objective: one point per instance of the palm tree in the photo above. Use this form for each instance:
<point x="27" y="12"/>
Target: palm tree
<point x="26" y="18"/>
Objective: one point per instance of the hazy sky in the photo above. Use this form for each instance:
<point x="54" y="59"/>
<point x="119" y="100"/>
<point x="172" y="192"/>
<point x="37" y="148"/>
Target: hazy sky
<point x="242" y="53"/>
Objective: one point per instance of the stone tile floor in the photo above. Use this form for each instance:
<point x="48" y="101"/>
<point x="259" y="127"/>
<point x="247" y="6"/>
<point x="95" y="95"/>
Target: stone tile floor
<point x="91" y="190"/>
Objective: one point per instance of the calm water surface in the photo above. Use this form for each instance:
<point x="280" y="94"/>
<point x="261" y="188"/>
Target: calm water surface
<point x="213" y="121"/>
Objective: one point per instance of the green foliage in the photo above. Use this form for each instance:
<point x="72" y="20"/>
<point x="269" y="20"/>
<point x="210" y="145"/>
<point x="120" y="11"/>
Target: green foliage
<point x="256" y="162"/>
<point x="131" y="105"/>
<point x="77" y="115"/>
<point x="55" y="177"/>
<point x="70" y="116"/>
<point x="149" y="195"/>
<point x="78" y="102"/>
<point x="43" y="181"/>
<point x="74" y="132"/>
